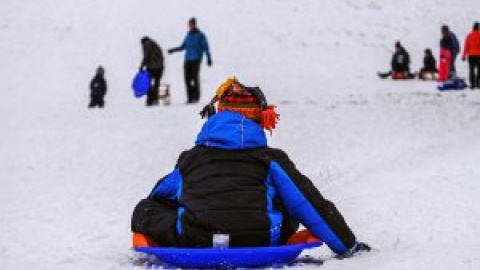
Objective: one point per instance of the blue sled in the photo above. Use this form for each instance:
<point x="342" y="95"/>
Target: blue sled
<point x="228" y="257"/>
<point x="141" y="83"/>
<point x="454" y="84"/>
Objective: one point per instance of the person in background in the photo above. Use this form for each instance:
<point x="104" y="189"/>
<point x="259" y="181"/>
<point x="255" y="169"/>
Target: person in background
<point x="400" y="64"/>
<point x="98" y="89"/>
<point x="429" y="68"/>
<point x="450" y="42"/>
<point x="472" y="51"/>
<point x="231" y="183"/>
<point x="195" y="44"/>
<point x="153" y="62"/>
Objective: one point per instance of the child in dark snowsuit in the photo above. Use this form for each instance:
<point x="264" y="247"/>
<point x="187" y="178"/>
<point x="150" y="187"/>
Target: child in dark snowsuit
<point x="98" y="89"/>
<point x="400" y="64"/>
<point x="429" y="68"/>
<point x="232" y="183"/>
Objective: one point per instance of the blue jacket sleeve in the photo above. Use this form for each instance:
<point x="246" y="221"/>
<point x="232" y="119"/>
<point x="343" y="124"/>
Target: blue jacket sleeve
<point x="168" y="187"/>
<point x="305" y="203"/>
<point x="205" y="47"/>
<point x="181" y="47"/>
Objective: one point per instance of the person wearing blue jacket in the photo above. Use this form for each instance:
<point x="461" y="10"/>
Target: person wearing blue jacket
<point x="232" y="183"/>
<point x="195" y="45"/>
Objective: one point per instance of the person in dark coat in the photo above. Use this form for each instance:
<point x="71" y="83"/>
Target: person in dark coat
<point x="450" y="42"/>
<point x="429" y="66"/>
<point x="98" y="89"/>
<point x="400" y="64"/>
<point x="195" y="44"/>
<point x="153" y="62"/>
<point x="232" y="183"/>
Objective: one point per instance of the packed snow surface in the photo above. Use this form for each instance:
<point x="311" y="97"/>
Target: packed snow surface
<point x="400" y="159"/>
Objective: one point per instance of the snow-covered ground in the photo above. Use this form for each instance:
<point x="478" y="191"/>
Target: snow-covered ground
<point x="400" y="159"/>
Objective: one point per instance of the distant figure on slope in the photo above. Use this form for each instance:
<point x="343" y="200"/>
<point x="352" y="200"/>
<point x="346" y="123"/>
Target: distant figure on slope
<point x="195" y="44"/>
<point x="232" y="183"/>
<point x="153" y="62"/>
<point x="449" y="42"/>
<point x="429" y="69"/>
<point x="98" y="89"/>
<point x="472" y="51"/>
<point x="400" y="64"/>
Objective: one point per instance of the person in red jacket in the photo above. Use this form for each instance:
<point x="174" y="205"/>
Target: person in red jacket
<point x="472" y="51"/>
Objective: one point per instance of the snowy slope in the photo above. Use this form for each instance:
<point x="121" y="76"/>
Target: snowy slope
<point x="399" y="159"/>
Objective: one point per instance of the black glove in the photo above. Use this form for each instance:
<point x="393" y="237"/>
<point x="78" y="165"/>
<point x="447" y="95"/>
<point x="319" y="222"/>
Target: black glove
<point x="170" y="51"/>
<point x="207" y="111"/>
<point x="362" y="247"/>
<point x="209" y="62"/>
<point x="359" y="247"/>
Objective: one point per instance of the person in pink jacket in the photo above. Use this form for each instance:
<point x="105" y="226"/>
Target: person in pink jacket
<point x="472" y="51"/>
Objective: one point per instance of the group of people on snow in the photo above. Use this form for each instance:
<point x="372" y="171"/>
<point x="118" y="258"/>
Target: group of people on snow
<point x="195" y="46"/>
<point x="449" y="50"/>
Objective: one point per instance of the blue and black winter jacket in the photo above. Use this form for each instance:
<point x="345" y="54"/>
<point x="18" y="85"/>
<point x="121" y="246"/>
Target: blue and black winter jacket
<point x="232" y="183"/>
<point x="194" y="44"/>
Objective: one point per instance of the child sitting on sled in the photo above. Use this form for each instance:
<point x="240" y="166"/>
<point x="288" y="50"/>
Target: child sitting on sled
<point x="400" y="65"/>
<point x="232" y="184"/>
<point x="429" y="69"/>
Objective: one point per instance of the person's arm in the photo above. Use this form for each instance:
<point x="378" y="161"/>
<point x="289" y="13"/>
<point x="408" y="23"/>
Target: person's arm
<point x="407" y="59"/>
<point x="466" y="48"/>
<point x="455" y="43"/>
<point x="179" y="48"/>
<point x="145" y="57"/>
<point x="169" y="186"/>
<point x="104" y="86"/>
<point x="304" y="202"/>
<point x="92" y="84"/>
<point x="205" y="47"/>
<point x="394" y="62"/>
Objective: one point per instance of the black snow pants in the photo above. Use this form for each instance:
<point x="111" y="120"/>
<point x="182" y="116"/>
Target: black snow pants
<point x="192" y="81"/>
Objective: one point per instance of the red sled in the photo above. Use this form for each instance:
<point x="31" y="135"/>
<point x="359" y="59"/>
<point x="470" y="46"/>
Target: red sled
<point x="444" y="65"/>
<point x="399" y="75"/>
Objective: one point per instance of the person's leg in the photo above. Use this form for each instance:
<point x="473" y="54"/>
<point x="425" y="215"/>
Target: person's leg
<point x="476" y="70"/>
<point x="157" y="75"/>
<point x="196" y="81"/>
<point x="188" y="71"/>
<point x="101" y="102"/>
<point x="157" y="220"/>
<point x="471" y="74"/>
<point x="384" y="75"/>
<point x="152" y="95"/>
<point x="452" y="65"/>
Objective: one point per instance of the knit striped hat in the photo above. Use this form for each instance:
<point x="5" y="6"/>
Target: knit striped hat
<point x="248" y="101"/>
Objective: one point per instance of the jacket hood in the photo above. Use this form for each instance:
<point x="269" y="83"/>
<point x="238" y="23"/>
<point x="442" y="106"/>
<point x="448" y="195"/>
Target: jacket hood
<point x="232" y="131"/>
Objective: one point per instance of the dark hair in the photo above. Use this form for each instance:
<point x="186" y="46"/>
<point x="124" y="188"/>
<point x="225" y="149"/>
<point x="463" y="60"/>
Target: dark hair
<point x="100" y="70"/>
<point x="193" y="20"/>
<point x="428" y="51"/>
<point x="445" y="28"/>
<point x="145" y="39"/>
<point x="476" y="26"/>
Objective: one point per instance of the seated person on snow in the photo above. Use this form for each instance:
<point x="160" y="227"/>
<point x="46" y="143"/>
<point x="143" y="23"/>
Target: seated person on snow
<point x="400" y="64"/>
<point x="429" y="69"/>
<point x="232" y="183"/>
